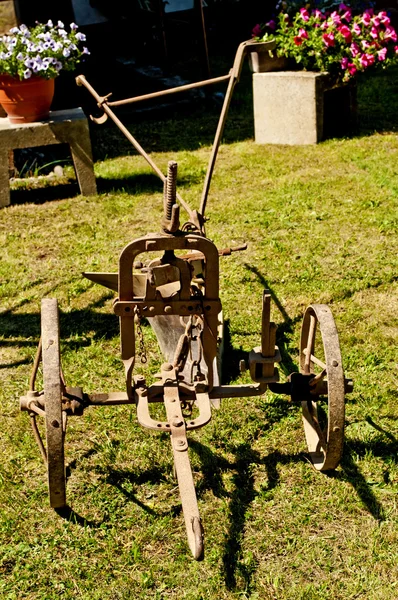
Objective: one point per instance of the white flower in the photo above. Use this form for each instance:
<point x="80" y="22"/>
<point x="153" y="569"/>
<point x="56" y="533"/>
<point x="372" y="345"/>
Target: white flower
<point x="60" y="25"/>
<point x="27" y="74"/>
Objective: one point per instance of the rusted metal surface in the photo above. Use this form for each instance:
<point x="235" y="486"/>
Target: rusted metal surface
<point x="53" y="406"/>
<point x="178" y="292"/>
<point x="324" y="441"/>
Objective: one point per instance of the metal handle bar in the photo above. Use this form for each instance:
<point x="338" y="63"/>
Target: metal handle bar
<point x="233" y="78"/>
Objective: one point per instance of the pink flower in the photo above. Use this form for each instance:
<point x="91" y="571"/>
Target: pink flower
<point x="376" y="21"/>
<point x="390" y="34"/>
<point x="356" y="29"/>
<point x="352" y="68"/>
<point x="335" y="18"/>
<point x="344" y="63"/>
<point x="256" y="31"/>
<point x="297" y="40"/>
<point x="396" y="49"/>
<point x="346" y="16"/>
<point x="365" y="44"/>
<point x="303" y="34"/>
<point x="318" y="14"/>
<point x="343" y="7"/>
<point x="366" y="60"/>
<point x="384" y="18"/>
<point x="381" y="55"/>
<point x="366" y="19"/>
<point x="328" y="39"/>
<point x="374" y="32"/>
<point x="355" y="50"/>
<point x="346" y="33"/>
<point x="304" y="14"/>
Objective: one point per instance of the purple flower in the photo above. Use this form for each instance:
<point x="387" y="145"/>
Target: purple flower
<point x="20" y="56"/>
<point x="81" y="37"/>
<point x="256" y="30"/>
<point x="86" y="51"/>
<point x="73" y="26"/>
<point x="344" y="63"/>
<point x="14" y="30"/>
<point x="66" y="52"/>
<point x="271" y="24"/>
<point x="27" y="73"/>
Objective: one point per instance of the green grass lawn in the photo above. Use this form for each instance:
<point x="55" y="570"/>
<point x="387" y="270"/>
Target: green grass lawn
<point x="321" y="226"/>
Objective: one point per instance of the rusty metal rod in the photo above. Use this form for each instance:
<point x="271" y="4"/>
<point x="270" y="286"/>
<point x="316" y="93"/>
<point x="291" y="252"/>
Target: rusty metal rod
<point x="81" y="80"/>
<point x="38" y="439"/>
<point x="155" y="394"/>
<point x="35" y="368"/>
<point x="175" y="90"/>
<point x="217" y="140"/>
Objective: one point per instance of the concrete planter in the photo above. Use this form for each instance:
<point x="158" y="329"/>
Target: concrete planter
<point x="264" y="62"/>
<point x="301" y="107"/>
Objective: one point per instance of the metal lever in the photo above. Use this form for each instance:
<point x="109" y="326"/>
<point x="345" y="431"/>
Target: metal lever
<point x="179" y="444"/>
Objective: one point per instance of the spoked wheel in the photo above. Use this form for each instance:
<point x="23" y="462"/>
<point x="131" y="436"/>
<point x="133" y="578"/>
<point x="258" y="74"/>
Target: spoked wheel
<point x="55" y="418"/>
<point x="320" y="355"/>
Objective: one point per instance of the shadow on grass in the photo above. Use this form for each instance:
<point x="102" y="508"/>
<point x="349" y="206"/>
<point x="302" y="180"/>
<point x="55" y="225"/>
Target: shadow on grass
<point x="142" y="183"/>
<point x="74" y="323"/>
<point x="44" y="194"/>
<point x="241" y="498"/>
<point x="231" y="357"/>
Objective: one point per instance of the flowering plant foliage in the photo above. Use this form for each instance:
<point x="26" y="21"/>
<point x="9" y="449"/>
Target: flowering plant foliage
<point x="41" y="51"/>
<point x="337" y="42"/>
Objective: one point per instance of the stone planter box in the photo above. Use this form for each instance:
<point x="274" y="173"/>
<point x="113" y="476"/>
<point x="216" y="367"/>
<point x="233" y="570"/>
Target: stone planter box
<point x="301" y="107"/>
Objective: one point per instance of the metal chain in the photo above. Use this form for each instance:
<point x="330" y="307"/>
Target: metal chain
<point x="141" y="346"/>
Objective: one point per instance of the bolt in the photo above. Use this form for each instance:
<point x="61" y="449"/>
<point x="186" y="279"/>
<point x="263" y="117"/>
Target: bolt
<point x="55" y="423"/>
<point x="167" y="367"/>
<point x="242" y="366"/>
<point x="168" y="309"/>
<point x="151" y="309"/>
<point x="177" y="423"/>
<point x="180" y="443"/>
<point x="336" y="429"/>
<point x="335" y="363"/>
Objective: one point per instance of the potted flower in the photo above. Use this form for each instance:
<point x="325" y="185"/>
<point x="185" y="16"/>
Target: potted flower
<point x="30" y="60"/>
<point x="333" y="41"/>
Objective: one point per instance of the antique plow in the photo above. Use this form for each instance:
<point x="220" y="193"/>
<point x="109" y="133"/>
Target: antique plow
<point x="178" y="293"/>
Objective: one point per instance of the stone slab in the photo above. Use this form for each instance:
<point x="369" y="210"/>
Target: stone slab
<point x="62" y="127"/>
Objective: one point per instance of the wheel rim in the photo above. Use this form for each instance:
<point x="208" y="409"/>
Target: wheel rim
<point x="55" y="418"/>
<point x="320" y="353"/>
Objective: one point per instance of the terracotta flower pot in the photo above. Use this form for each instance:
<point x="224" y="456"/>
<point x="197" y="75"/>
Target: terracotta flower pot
<point x="28" y="100"/>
